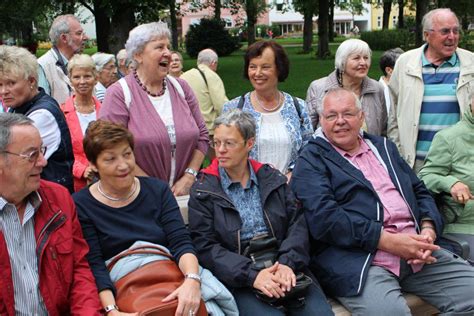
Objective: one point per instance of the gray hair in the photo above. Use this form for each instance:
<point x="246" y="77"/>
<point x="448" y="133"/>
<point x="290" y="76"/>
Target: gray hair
<point x="121" y="55"/>
<point x="427" y="21"/>
<point x="337" y="91"/>
<point x="81" y="61"/>
<point x="7" y="121"/>
<point x="101" y="59"/>
<point x="142" y="34"/>
<point x="349" y="47"/>
<point x="60" y="26"/>
<point x="244" y="122"/>
<point x="207" y="56"/>
<point x="18" y="61"/>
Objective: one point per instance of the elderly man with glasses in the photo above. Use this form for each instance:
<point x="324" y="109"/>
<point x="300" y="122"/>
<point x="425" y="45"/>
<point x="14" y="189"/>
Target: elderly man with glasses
<point x="43" y="266"/>
<point x="429" y="87"/>
<point x="372" y="222"/>
<point x="68" y="38"/>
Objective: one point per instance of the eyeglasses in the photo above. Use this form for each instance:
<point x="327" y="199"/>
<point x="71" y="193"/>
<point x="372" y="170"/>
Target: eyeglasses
<point x="78" y="33"/>
<point x="345" y="116"/>
<point x="31" y="156"/>
<point x="110" y="68"/>
<point x="446" y="31"/>
<point x="229" y="144"/>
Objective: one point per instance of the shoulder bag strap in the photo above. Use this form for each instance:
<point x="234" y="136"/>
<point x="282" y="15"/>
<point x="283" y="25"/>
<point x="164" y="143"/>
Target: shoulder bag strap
<point x="203" y="76"/>
<point x="240" y="106"/>
<point x="126" y="92"/>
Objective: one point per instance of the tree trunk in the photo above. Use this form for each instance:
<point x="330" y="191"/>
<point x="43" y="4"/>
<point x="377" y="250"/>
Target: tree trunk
<point x="174" y="25"/>
<point x="251" y="9"/>
<point x="401" y="16"/>
<point x="387" y="7"/>
<point x="331" y="21"/>
<point x="323" y="40"/>
<point x="123" y="21"/>
<point x="307" y="32"/>
<point x="217" y="9"/>
<point x="102" y="26"/>
<point x="421" y="10"/>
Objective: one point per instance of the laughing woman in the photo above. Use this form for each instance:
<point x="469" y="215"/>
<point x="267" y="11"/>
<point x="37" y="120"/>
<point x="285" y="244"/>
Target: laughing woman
<point x="162" y="112"/>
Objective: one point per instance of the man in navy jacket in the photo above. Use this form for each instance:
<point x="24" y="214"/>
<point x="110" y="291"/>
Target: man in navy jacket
<point x="372" y="221"/>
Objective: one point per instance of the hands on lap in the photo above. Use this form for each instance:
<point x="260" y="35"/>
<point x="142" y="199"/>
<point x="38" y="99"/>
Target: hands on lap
<point x="275" y="280"/>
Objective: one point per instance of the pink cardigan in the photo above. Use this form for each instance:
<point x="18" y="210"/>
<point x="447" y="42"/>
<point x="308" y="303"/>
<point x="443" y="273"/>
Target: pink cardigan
<point x="152" y="143"/>
<point x="80" y="160"/>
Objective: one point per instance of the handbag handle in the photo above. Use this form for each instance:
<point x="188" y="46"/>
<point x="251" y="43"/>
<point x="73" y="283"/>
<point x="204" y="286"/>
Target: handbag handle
<point x="139" y="250"/>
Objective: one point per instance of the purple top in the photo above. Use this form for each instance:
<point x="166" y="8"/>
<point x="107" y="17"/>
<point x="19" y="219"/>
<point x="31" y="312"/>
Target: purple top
<point x="152" y="143"/>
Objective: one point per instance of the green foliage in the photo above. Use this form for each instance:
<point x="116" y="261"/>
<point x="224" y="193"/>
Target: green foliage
<point x="210" y="33"/>
<point x="467" y="41"/>
<point x="387" y="39"/>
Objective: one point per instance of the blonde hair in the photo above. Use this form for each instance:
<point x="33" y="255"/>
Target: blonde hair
<point x="81" y="61"/>
<point x="18" y="61"/>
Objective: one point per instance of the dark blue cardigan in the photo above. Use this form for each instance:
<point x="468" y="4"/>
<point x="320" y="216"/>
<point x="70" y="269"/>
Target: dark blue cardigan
<point x="153" y="216"/>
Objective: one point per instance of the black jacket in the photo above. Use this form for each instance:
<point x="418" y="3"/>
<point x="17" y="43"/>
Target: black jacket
<point x="215" y="225"/>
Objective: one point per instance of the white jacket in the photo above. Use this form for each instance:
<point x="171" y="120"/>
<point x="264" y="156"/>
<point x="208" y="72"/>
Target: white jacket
<point x="59" y="84"/>
<point x="406" y="90"/>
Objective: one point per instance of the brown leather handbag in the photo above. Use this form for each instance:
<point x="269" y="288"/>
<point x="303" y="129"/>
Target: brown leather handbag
<point x="143" y="289"/>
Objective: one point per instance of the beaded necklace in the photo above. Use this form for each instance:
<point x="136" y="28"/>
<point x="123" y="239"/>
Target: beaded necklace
<point x="159" y="94"/>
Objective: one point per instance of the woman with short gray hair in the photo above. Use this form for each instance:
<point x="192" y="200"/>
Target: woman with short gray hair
<point x="352" y="63"/>
<point x="21" y="94"/>
<point x="161" y="111"/>
<point x="238" y="201"/>
<point x="107" y="73"/>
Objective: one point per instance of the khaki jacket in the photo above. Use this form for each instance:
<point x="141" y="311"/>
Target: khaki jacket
<point x="406" y="90"/>
<point x="211" y="95"/>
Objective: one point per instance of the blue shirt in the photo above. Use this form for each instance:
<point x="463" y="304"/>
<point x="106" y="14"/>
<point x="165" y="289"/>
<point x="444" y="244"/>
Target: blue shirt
<point x="440" y="108"/>
<point x="247" y="202"/>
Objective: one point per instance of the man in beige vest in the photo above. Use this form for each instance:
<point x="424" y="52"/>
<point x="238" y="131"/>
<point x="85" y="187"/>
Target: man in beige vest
<point x="68" y="38"/>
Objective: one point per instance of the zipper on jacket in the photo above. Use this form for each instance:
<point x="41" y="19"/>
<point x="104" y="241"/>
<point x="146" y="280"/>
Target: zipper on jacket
<point x="362" y="273"/>
<point x="50" y="226"/>
<point x="269" y="223"/>
<point x="417" y="226"/>
<point x="239" y="246"/>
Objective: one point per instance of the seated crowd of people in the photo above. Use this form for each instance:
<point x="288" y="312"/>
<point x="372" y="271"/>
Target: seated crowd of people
<point x="362" y="192"/>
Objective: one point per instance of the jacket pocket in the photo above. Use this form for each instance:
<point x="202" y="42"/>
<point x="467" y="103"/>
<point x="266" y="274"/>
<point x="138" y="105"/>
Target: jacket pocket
<point x="64" y="258"/>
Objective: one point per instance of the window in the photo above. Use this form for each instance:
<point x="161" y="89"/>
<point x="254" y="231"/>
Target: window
<point x="379" y="21"/>
<point x="228" y="22"/>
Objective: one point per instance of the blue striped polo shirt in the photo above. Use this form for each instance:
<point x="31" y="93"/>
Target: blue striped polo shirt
<point x="440" y="108"/>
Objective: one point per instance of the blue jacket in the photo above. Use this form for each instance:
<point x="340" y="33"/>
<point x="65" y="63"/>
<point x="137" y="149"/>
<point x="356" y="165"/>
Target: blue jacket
<point x="345" y="214"/>
<point x="215" y="225"/>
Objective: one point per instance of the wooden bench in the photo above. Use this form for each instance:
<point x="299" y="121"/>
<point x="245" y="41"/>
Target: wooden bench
<point x="416" y="304"/>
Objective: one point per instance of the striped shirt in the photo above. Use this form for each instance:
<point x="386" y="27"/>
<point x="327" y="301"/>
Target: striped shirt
<point x="440" y="108"/>
<point x="21" y="245"/>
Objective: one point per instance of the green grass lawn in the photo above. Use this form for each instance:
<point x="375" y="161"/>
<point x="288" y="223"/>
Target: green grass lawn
<point x="304" y="68"/>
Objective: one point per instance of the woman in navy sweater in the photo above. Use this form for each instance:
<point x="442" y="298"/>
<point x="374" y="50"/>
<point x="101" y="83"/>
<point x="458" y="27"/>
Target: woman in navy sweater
<point x="121" y="209"/>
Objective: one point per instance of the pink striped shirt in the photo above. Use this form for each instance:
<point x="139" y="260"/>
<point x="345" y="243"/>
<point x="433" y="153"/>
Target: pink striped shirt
<point x="396" y="213"/>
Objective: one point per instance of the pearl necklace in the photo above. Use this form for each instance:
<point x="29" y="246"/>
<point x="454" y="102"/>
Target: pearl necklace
<point x="159" y="94"/>
<point x="111" y="198"/>
<point x="265" y="108"/>
<point x="90" y="108"/>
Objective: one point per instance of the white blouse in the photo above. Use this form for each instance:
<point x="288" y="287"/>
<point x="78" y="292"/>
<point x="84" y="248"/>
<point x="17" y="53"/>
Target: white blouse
<point x="274" y="141"/>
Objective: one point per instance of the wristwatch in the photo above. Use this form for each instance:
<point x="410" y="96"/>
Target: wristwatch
<point x="193" y="276"/>
<point x="191" y="171"/>
<point x="109" y="308"/>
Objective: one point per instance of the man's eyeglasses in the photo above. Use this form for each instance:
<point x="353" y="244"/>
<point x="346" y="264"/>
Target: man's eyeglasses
<point x="446" y="31"/>
<point x="345" y="116"/>
<point x="31" y="156"/>
<point x="229" y="144"/>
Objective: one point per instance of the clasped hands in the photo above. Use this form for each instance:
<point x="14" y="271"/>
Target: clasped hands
<point x="275" y="280"/>
<point x="414" y="248"/>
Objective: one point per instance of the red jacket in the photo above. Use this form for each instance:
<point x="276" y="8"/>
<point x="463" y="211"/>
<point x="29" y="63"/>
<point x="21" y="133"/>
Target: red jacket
<point x="65" y="280"/>
<point x="80" y="160"/>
